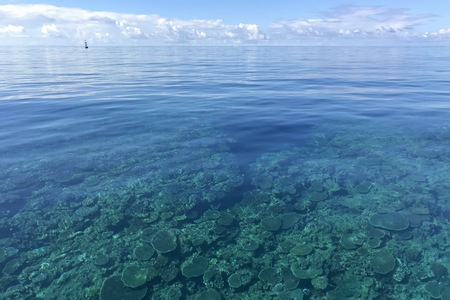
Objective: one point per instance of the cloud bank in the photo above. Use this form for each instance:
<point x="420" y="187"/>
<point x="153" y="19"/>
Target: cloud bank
<point x="47" y="23"/>
<point x="73" y="24"/>
<point x="354" y="21"/>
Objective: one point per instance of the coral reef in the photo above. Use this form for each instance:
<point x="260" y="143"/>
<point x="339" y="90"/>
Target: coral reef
<point x="179" y="218"/>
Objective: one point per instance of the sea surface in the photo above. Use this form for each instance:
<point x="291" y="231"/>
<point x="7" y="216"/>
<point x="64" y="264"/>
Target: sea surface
<point x="225" y="173"/>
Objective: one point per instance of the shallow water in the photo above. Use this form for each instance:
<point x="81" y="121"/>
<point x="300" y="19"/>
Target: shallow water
<point x="283" y="172"/>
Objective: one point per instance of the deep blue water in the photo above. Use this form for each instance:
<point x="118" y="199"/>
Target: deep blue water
<point x="264" y="97"/>
<point x="94" y="143"/>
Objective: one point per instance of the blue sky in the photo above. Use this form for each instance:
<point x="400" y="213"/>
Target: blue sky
<point x="225" y="22"/>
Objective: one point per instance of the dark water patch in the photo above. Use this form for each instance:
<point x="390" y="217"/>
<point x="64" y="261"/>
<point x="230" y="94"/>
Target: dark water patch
<point x="341" y="192"/>
<point x="446" y="214"/>
<point x="252" y="140"/>
<point x="235" y="196"/>
<point x="70" y="180"/>
<point x="13" y="203"/>
<point x="120" y="225"/>
<point x="7" y="231"/>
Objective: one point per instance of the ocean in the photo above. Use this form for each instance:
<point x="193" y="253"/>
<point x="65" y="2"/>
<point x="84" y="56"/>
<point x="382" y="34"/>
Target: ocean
<point x="224" y="173"/>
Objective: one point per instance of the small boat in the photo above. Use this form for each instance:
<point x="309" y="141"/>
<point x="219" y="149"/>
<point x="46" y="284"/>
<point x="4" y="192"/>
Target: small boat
<point x="85" y="45"/>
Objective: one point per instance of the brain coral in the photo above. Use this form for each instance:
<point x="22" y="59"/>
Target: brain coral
<point x="391" y="221"/>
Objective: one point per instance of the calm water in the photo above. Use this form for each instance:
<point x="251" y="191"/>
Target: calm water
<point x="208" y="172"/>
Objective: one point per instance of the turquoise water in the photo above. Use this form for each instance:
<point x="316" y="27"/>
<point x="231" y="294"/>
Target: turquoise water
<point x="224" y="173"/>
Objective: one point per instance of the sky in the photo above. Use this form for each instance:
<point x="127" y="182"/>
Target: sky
<point x="231" y="22"/>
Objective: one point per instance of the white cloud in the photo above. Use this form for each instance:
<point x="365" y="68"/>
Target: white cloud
<point x="73" y="24"/>
<point x="353" y="21"/>
<point x="12" y="30"/>
<point x="51" y="30"/>
<point x="130" y="29"/>
<point x="251" y="31"/>
<point x="438" y="35"/>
